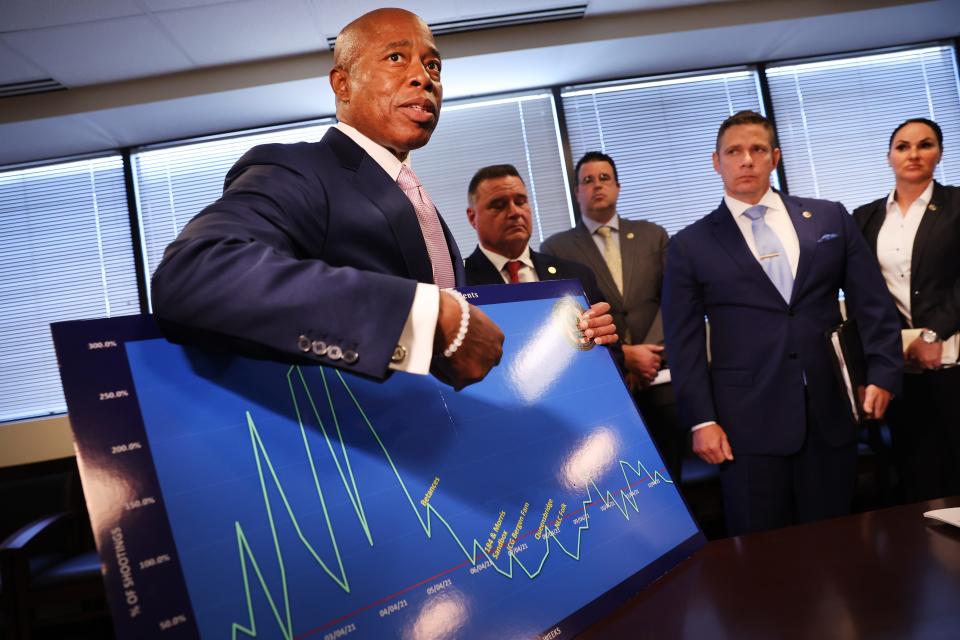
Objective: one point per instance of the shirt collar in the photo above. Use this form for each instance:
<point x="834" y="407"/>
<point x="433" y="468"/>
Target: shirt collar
<point x="500" y="261"/>
<point x="592" y="225"/>
<point x="770" y="199"/>
<point x="381" y="155"/>
<point x="923" y="200"/>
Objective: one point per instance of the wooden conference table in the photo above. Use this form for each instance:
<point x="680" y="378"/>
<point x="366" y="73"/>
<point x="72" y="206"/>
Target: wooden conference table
<point x="889" y="573"/>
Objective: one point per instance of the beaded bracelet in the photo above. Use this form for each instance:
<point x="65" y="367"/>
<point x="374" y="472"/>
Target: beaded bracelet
<point x="464" y="323"/>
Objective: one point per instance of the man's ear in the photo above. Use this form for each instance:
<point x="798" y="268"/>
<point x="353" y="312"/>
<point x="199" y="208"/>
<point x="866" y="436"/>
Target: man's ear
<point x="340" y="83"/>
<point x="472" y="217"/>
<point x="776" y="157"/>
<point x="716" y="162"/>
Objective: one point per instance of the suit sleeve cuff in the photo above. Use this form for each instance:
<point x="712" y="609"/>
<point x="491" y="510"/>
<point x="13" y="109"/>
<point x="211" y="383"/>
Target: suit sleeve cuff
<point x="697" y="427"/>
<point x="416" y="339"/>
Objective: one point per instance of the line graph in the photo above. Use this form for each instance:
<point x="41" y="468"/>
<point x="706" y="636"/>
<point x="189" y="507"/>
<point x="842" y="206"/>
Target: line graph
<point x="425" y="518"/>
<point x="298" y="502"/>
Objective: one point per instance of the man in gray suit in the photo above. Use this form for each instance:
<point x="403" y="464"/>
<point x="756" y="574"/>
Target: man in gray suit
<point x="627" y="257"/>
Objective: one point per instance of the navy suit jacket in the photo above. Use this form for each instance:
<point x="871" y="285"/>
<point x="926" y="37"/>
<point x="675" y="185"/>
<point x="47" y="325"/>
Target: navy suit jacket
<point x="480" y="270"/>
<point x="761" y="347"/>
<point x="309" y="242"/>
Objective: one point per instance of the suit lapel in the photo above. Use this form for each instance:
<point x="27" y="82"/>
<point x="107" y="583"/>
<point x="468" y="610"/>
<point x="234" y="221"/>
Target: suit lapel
<point x="480" y="270"/>
<point x="545" y="267"/>
<point x="806" y="228"/>
<point x="594" y="259"/>
<point x="459" y="273"/>
<point x="628" y="253"/>
<point x="369" y="179"/>
<point x="871" y="229"/>
<point x="928" y="224"/>
<point x="731" y="239"/>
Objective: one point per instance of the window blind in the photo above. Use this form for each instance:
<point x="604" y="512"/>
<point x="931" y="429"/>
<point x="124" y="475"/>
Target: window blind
<point x="661" y="133"/>
<point x="67" y="255"/>
<point x="835" y="117"/>
<point x="174" y="183"/>
<point x="519" y="130"/>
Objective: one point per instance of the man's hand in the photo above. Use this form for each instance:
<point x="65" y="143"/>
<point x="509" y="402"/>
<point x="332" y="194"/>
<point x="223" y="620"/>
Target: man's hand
<point x="875" y="401"/>
<point x="597" y="324"/>
<point x="643" y="360"/>
<point x="928" y="356"/>
<point x="481" y="350"/>
<point x="710" y="443"/>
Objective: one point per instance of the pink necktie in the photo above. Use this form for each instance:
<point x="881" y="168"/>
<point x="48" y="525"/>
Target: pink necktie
<point x="430" y="228"/>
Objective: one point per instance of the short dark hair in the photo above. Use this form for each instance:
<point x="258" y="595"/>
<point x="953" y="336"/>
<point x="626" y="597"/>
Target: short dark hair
<point x="748" y="117"/>
<point x="937" y="131"/>
<point x="594" y="156"/>
<point x="489" y="173"/>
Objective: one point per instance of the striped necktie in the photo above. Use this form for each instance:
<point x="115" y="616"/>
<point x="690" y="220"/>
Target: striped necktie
<point x="430" y="227"/>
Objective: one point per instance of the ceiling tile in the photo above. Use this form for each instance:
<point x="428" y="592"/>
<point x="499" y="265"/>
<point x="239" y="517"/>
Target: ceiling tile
<point x="334" y="16"/>
<point x="104" y="51"/>
<point x="235" y="32"/>
<point x="18" y="15"/>
<point x="170" y="5"/>
<point x="470" y="9"/>
<point x="15" y="68"/>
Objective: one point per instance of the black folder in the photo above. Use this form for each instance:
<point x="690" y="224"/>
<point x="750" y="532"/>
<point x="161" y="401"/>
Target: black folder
<point x="850" y="364"/>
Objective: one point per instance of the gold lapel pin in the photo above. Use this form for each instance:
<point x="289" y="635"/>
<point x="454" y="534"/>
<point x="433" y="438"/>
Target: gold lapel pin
<point x="932" y="207"/>
<point x="551" y="270"/>
<point x="807" y="214"/>
<point x="630" y="235"/>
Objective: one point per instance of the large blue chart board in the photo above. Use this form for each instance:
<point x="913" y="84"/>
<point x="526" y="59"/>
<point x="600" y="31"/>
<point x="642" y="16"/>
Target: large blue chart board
<point x="237" y="498"/>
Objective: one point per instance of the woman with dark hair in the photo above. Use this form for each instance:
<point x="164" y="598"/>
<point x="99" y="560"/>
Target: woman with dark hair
<point x="915" y="234"/>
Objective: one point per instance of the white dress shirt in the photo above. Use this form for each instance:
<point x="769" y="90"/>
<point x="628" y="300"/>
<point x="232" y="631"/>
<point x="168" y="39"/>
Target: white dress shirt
<point x="777" y="219"/>
<point x="895" y="246"/>
<point x="421" y="324"/>
<point x="527" y="272"/>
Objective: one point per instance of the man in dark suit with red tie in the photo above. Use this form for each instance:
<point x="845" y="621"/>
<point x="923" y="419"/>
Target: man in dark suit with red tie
<point x="500" y="212"/>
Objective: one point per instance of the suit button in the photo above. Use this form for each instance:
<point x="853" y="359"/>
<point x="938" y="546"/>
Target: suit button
<point x="303" y="343"/>
<point x="334" y="352"/>
<point x="399" y="354"/>
<point x="790" y="313"/>
<point x="350" y="356"/>
<point x="319" y="347"/>
<point x="793" y="355"/>
<point x="916" y="293"/>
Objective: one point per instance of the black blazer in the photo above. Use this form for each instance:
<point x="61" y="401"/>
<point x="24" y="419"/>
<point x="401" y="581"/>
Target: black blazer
<point x="480" y="270"/>
<point x="935" y="266"/>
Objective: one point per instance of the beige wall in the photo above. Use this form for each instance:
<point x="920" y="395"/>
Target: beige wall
<point x="35" y="440"/>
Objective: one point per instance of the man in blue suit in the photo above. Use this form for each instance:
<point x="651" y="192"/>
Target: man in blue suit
<point x="332" y="252"/>
<point x="765" y="269"/>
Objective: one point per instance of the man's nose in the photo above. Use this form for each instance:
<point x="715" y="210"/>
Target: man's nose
<point x="419" y="76"/>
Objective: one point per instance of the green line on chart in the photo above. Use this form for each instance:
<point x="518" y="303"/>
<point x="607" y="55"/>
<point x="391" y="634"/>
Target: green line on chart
<point x="248" y="560"/>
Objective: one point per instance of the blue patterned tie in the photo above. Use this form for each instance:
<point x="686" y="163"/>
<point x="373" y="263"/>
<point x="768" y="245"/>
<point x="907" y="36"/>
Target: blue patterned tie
<point x="772" y="257"/>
